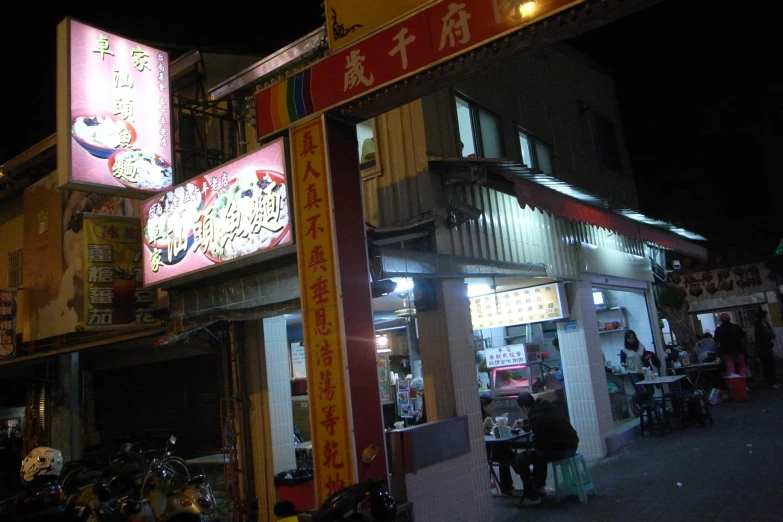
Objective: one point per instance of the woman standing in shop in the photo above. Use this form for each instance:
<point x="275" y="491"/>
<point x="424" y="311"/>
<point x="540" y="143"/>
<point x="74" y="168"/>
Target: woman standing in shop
<point x="632" y="357"/>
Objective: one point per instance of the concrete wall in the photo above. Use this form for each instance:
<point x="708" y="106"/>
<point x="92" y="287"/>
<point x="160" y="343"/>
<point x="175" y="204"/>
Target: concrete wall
<point x="553" y="94"/>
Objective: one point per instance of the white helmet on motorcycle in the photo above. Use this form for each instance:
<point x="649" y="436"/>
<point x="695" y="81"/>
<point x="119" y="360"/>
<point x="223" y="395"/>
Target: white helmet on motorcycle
<point x="42" y="462"/>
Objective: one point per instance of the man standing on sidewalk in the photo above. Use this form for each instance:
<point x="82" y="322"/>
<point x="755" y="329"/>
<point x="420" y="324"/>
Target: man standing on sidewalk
<point x="730" y="345"/>
<point x="553" y="439"/>
<point x="765" y="344"/>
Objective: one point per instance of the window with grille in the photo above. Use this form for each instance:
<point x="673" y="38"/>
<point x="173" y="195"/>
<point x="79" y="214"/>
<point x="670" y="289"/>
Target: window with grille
<point x="15" y="268"/>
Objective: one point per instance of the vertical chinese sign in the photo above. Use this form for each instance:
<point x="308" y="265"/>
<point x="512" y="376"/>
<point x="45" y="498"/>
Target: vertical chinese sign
<point x="113" y="113"/>
<point x="7" y="323"/>
<point x="114" y="297"/>
<point x="333" y="454"/>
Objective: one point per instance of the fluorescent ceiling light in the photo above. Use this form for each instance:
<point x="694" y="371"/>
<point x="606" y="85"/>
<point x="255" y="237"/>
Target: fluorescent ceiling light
<point x="478" y="289"/>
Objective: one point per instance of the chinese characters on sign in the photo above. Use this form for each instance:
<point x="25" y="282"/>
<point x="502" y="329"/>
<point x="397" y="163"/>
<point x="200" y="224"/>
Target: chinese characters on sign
<point x="232" y="212"/>
<point x="510" y="355"/>
<point x="526" y="305"/>
<point x="7" y="323"/>
<point x="440" y="31"/>
<point x="114" y="119"/>
<point x="333" y="454"/>
<point x="114" y="296"/>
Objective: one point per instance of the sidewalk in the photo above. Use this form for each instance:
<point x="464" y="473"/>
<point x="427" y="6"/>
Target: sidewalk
<point x="732" y="471"/>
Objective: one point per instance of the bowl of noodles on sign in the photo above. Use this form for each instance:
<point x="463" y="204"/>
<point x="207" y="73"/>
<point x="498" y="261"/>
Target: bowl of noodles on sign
<point x="141" y="170"/>
<point x="102" y="135"/>
<point x="248" y="215"/>
<point x="170" y="223"/>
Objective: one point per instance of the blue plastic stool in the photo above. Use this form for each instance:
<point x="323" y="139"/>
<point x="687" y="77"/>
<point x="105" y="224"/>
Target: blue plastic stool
<point x="572" y="478"/>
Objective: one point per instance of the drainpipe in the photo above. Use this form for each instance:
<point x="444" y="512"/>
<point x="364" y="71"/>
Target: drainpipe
<point x="239" y="107"/>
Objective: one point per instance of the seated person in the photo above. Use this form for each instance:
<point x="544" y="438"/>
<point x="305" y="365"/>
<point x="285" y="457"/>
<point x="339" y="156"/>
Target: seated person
<point x="501" y="453"/>
<point x="705" y="348"/>
<point x="553" y="439"/>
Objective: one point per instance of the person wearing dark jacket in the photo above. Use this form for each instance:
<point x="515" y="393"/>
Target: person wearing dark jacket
<point x="765" y="343"/>
<point x="730" y="345"/>
<point x="553" y="439"/>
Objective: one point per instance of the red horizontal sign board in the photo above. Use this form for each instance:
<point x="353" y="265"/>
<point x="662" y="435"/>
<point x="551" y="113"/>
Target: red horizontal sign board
<point x="443" y="30"/>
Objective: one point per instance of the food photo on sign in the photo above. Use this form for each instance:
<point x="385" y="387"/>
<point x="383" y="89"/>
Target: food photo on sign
<point x="232" y="212"/>
<point x="114" y="117"/>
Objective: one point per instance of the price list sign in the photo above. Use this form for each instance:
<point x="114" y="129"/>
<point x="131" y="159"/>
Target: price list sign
<point x="522" y="306"/>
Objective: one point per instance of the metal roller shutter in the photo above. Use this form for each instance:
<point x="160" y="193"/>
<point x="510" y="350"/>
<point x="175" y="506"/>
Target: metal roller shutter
<point x="151" y="402"/>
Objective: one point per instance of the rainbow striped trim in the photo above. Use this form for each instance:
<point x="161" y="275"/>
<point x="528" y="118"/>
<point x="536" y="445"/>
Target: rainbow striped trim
<point x="284" y="102"/>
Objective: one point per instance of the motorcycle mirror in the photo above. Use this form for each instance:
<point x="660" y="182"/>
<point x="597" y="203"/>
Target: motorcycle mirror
<point x="369" y="454"/>
<point x="173" y="439"/>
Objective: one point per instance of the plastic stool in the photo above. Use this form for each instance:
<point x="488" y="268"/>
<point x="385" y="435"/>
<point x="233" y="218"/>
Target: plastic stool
<point x="572" y="478"/>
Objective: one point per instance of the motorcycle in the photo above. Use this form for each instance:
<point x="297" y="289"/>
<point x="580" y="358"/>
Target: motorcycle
<point x="41" y="502"/>
<point x="349" y="503"/>
<point x="167" y="494"/>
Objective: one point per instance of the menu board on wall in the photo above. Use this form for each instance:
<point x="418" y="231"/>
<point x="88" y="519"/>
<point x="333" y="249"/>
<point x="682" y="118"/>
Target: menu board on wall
<point x="114" y="297"/>
<point x="526" y="305"/>
<point x="7" y="323"/>
<point x="113" y="113"/>
<point x="233" y="212"/>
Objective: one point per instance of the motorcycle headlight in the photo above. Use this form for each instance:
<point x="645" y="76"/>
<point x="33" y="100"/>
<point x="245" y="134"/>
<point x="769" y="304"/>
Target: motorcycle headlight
<point x="204" y="502"/>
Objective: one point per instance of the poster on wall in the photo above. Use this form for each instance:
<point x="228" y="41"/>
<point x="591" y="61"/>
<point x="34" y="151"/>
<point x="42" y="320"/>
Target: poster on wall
<point x="525" y="305"/>
<point x="7" y="323"/>
<point x="113" y="113"/>
<point x="404" y="403"/>
<point x="230" y="213"/>
<point x="54" y="230"/>
<point x="298" y="365"/>
<point x="114" y="296"/>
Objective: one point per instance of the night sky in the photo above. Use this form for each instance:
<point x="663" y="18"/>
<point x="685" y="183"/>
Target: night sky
<point x="697" y="103"/>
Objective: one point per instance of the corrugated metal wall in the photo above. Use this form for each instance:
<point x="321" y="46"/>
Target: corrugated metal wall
<point x="602" y="237"/>
<point x="507" y="232"/>
<point x="401" y="189"/>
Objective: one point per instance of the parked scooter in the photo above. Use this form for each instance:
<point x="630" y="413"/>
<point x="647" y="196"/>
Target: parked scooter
<point x="192" y="499"/>
<point x="349" y="503"/>
<point x="167" y="494"/>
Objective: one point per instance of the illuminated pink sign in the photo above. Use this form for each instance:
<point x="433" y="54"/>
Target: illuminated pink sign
<point x="227" y="214"/>
<point x="114" y="113"/>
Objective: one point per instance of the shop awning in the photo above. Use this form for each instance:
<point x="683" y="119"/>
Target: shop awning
<point x="548" y="194"/>
<point x="411" y="263"/>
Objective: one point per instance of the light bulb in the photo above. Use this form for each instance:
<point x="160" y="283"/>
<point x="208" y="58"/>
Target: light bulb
<point x="527" y="9"/>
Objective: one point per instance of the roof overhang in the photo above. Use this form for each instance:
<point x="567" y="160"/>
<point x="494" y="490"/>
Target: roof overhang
<point x="394" y="262"/>
<point x="309" y="46"/>
<point x="549" y="194"/>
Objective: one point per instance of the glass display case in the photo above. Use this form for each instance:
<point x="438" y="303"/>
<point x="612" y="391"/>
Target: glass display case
<point x="510" y="381"/>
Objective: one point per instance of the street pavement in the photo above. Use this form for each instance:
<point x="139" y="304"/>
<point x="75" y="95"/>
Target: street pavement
<point x="730" y="471"/>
